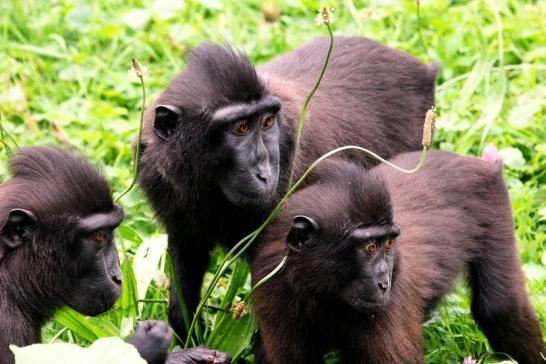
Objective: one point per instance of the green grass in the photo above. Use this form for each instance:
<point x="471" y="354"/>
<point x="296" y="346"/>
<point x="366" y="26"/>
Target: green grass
<point x="64" y="78"/>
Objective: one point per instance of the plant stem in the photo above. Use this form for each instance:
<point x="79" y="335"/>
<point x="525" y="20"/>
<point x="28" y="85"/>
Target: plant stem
<point x="136" y="161"/>
<point x="301" y="120"/>
<point x="57" y="335"/>
<point x="418" y="3"/>
<point x="267" y="277"/>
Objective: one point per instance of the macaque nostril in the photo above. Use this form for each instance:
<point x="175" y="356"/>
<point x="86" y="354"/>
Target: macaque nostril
<point x="117" y="278"/>
<point x="262" y="177"/>
<point x="384" y="285"/>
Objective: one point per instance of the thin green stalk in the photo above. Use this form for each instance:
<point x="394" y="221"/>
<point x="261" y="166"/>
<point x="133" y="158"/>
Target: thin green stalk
<point x="223" y="266"/>
<point x="136" y="161"/>
<point x="502" y="77"/>
<point x="498" y="23"/>
<point x="267" y="277"/>
<point x="418" y="3"/>
<point x="57" y="335"/>
<point x="301" y="120"/>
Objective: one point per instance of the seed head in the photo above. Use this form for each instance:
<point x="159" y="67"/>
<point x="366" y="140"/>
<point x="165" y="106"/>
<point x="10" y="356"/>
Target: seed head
<point x="139" y="69"/>
<point x="367" y="14"/>
<point x="271" y="11"/>
<point x="239" y="310"/>
<point x="428" y="128"/>
<point x="325" y="15"/>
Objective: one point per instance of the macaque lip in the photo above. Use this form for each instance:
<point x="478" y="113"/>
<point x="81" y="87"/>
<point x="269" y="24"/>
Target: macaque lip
<point x="363" y="305"/>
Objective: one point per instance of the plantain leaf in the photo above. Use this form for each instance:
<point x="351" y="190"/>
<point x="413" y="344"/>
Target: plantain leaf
<point x="110" y="350"/>
<point x="128" y="233"/>
<point x="89" y="328"/>
<point x="238" y="279"/>
<point x="129" y="297"/>
<point x="146" y="262"/>
<point x="233" y="336"/>
<point x="527" y="105"/>
<point x="512" y="158"/>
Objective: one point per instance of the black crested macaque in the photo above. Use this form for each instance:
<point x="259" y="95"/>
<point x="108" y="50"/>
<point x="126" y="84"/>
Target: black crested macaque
<point x="57" y="221"/>
<point x="57" y="244"/>
<point x="370" y="253"/>
<point x="219" y="141"/>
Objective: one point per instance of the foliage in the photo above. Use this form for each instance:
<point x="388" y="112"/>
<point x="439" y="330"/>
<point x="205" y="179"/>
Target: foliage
<point x="64" y="80"/>
<point x="111" y="350"/>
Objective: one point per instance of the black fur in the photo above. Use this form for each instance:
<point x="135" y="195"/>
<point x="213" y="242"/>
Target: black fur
<point x="371" y="95"/>
<point x="54" y="264"/>
<point x="454" y="215"/>
<point x="39" y="275"/>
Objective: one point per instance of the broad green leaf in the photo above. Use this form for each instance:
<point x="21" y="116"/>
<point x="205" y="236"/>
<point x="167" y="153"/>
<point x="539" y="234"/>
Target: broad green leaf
<point x="212" y="4"/>
<point x="452" y="117"/>
<point x="129" y="296"/>
<point x="128" y="233"/>
<point x="233" y="336"/>
<point x="534" y="271"/>
<point x="512" y="157"/>
<point x="75" y="323"/>
<point x="126" y="327"/>
<point x="238" y="279"/>
<point x="110" y="350"/>
<point x="79" y="17"/>
<point x="146" y="262"/>
<point x="479" y="70"/>
<point x="90" y="328"/>
<point x="489" y="114"/>
<point x="167" y="9"/>
<point x="527" y="105"/>
<point x="136" y="19"/>
<point x="542" y="216"/>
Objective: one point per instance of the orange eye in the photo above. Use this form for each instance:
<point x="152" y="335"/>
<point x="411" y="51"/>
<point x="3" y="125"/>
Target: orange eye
<point x="389" y="244"/>
<point x="268" y="122"/>
<point x="241" y="128"/>
<point x="99" y="237"/>
<point x="371" y="248"/>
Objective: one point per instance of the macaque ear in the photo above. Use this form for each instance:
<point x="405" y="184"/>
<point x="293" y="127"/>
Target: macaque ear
<point x="395" y="230"/>
<point x="17" y="229"/>
<point x="302" y="229"/>
<point x="167" y="118"/>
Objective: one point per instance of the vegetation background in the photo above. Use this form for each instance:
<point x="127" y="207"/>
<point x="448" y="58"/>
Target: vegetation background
<point x="64" y="80"/>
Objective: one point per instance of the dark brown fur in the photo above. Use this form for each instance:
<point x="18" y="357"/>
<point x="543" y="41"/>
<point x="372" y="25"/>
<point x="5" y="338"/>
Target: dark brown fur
<point x="57" y="187"/>
<point x="38" y="277"/>
<point x="371" y="95"/>
<point x="454" y="216"/>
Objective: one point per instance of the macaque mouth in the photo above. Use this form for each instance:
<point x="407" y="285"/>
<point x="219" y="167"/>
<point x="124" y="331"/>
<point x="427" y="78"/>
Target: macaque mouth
<point x="364" y="305"/>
